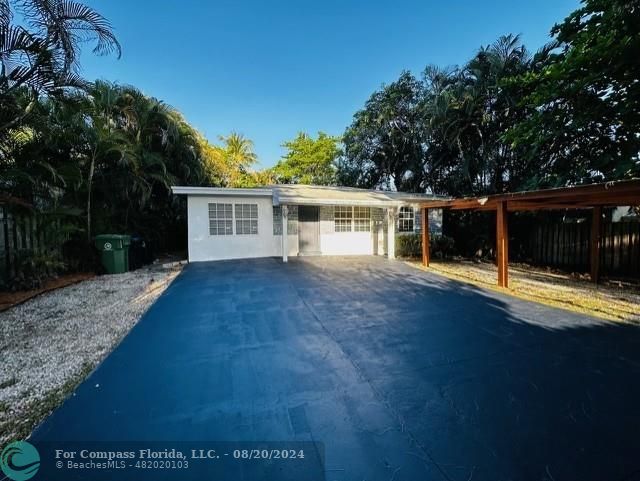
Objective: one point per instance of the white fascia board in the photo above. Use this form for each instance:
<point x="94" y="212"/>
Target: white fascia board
<point x="220" y="191"/>
<point x="282" y="200"/>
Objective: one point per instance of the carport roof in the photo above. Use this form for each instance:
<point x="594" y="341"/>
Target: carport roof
<point x="613" y="193"/>
<point x="297" y="194"/>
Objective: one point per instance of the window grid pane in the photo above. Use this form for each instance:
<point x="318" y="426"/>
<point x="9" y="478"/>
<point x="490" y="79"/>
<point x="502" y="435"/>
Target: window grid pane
<point x="220" y="219"/>
<point x="417" y="221"/>
<point x="277" y="220"/>
<point x="246" y="219"/>
<point x="292" y="221"/>
<point x="343" y="217"/>
<point x="361" y="219"/>
<point x="405" y="219"/>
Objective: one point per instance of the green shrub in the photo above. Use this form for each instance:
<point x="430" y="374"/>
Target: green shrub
<point x="32" y="269"/>
<point x="410" y="246"/>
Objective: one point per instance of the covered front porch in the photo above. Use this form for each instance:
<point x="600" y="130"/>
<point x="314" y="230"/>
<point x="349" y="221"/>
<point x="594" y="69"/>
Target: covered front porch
<point x="340" y="220"/>
<point x="336" y="230"/>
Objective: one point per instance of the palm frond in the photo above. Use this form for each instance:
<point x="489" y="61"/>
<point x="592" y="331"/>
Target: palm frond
<point x="88" y="25"/>
<point x="5" y="13"/>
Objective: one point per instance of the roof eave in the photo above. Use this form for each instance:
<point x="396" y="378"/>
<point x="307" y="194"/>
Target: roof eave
<point x="289" y="200"/>
<point x="220" y="191"/>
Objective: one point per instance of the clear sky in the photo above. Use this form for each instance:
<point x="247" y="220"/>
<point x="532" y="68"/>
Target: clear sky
<point x="271" y="68"/>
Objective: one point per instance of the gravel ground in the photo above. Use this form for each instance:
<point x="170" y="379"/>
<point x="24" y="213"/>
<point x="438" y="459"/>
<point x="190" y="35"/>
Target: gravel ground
<point x="608" y="300"/>
<point x="49" y="343"/>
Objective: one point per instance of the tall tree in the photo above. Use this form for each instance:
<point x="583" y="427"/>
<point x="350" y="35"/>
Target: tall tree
<point x="101" y="141"/>
<point x="384" y="145"/>
<point x="40" y="54"/>
<point x="235" y="159"/>
<point x="467" y="110"/>
<point x="584" y="103"/>
<point x="110" y="154"/>
<point x="443" y="133"/>
<point x="308" y="160"/>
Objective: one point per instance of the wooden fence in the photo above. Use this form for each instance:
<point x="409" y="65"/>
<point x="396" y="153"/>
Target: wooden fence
<point x="21" y="234"/>
<point x="566" y="245"/>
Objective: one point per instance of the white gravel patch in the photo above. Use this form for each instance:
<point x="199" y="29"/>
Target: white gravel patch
<point x="52" y="338"/>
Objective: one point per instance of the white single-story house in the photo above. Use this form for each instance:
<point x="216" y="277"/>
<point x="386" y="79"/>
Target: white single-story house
<point x="229" y="223"/>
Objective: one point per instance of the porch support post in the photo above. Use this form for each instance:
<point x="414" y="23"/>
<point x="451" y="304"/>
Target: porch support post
<point x="425" y="237"/>
<point x="596" y="223"/>
<point x="502" y="244"/>
<point x="391" y="233"/>
<point x="285" y="233"/>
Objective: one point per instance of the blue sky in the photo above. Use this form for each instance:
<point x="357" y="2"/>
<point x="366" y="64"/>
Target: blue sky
<point x="270" y="69"/>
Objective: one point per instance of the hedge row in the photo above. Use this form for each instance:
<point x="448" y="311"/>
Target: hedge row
<point x="410" y="245"/>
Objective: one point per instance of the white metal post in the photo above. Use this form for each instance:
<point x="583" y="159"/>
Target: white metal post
<point x="285" y="233"/>
<point x="391" y="233"/>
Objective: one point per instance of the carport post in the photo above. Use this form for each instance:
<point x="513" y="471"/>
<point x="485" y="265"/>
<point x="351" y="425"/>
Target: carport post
<point x="502" y="244"/>
<point x="391" y="233"/>
<point x="425" y="237"/>
<point x="285" y="233"/>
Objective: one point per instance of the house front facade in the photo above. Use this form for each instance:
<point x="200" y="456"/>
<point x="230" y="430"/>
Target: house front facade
<point x="299" y="220"/>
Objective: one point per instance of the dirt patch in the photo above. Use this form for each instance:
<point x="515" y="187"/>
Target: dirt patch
<point x="10" y="299"/>
<point x="613" y="301"/>
<point x="49" y="343"/>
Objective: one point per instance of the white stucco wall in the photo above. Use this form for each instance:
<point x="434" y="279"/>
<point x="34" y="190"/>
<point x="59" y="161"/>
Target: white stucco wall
<point x="206" y="247"/>
<point x="346" y="243"/>
<point x="351" y="243"/>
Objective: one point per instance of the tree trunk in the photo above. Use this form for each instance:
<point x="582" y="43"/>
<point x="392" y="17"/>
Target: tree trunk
<point x="89" y="186"/>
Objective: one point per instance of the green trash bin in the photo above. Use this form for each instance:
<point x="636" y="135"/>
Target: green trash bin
<point x="114" y="252"/>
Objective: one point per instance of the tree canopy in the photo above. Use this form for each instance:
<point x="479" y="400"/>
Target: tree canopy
<point x="103" y="154"/>
<point x="39" y="54"/>
<point x="506" y="120"/>
<point x="583" y="103"/>
<point x="509" y="119"/>
<point x="232" y="164"/>
<point x="308" y="160"/>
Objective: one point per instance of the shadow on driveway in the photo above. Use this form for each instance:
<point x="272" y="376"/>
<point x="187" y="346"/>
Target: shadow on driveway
<point x="402" y="374"/>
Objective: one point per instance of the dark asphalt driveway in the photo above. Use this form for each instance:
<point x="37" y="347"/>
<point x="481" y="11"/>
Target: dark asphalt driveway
<point x="403" y="375"/>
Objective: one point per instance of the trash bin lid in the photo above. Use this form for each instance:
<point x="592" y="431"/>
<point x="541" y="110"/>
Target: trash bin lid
<point x="111" y="241"/>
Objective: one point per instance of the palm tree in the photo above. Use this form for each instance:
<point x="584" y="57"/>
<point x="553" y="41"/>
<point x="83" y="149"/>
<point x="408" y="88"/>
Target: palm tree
<point x="238" y="157"/>
<point x="40" y="55"/>
<point x="101" y="141"/>
<point x="239" y="150"/>
<point x="468" y="111"/>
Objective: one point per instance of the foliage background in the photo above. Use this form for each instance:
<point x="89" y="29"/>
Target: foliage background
<point x="102" y="157"/>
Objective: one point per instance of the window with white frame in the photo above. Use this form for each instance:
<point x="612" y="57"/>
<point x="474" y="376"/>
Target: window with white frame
<point x="361" y="219"/>
<point x="417" y="224"/>
<point x="343" y="218"/>
<point x="405" y="219"/>
<point x="246" y="219"/>
<point x="220" y="219"/>
<point x="277" y="220"/>
<point x="292" y="220"/>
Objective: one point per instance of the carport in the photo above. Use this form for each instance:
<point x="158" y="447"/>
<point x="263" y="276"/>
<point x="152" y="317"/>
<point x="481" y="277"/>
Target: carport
<point x="593" y="197"/>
